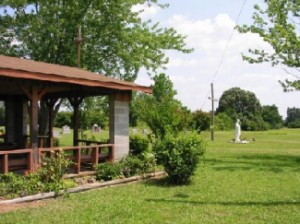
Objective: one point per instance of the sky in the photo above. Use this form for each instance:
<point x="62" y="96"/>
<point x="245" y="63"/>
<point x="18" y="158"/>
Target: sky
<point x="217" y="56"/>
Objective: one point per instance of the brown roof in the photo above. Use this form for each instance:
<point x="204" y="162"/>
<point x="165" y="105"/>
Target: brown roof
<point x="28" y="69"/>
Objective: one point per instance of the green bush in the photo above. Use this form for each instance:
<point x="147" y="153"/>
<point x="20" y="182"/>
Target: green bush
<point x="46" y="178"/>
<point x="107" y="171"/>
<point x="138" y="144"/>
<point x="180" y="156"/>
<point x="131" y="165"/>
<point x="52" y="171"/>
<point x="294" y="124"/>
<point x="11" y="185"/>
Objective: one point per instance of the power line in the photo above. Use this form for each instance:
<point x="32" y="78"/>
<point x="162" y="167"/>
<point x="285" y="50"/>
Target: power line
<point x="224" y="51"/>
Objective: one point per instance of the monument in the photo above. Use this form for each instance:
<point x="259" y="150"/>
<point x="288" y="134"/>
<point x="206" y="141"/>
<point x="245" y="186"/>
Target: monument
<point x="237" y="131"/>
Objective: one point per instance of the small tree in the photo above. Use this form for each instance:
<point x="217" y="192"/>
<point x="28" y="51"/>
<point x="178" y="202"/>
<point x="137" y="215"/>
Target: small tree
<point x="293" y="118"/>
<point x="223" y="122"/>
<point x="178" y="151"/>
<point x="201" y="120"/>
<point x="159" y="111"/>
<point x="272" y="117"/>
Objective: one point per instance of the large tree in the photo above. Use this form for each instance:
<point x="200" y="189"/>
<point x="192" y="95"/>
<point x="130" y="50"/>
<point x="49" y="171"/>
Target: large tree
<point x="277" y="22"/>
<point x="243" y="105"/>
<point x="115" y="39"/>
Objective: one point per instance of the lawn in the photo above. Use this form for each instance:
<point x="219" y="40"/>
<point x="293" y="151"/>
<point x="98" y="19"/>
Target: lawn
<point x="256" y="183"/>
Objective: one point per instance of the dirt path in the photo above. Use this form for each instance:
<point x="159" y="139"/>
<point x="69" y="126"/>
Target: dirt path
<point x="16" y="206"/>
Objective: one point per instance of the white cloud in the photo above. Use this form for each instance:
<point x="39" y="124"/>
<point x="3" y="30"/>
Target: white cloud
<point x="192" y="74"/>
<point x="146" y="10"/>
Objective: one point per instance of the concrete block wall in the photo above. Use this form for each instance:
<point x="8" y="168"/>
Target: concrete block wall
<point x="119" y="124"/>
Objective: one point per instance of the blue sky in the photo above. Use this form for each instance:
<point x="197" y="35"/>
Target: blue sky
<point x="208" y="26"/>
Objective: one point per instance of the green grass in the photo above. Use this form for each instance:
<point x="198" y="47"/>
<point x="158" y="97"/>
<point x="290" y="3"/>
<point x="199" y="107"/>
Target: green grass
<point x="67" y="139"/>
<point x="256" y="183"/>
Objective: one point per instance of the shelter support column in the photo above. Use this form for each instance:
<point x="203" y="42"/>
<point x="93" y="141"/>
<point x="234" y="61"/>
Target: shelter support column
<point x="119" y="124"/>
<point x="34" y="93"/>
<point x="34" y="132"/>
<point x="75" y="102"/>
<point x="50" y="103"/>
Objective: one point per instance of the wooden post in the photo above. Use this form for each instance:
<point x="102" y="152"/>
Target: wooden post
<point x="34" y="111"/>
<point x="50" y="103"/>
<point x="212" y="98"/>
<point x="75" y="102"/>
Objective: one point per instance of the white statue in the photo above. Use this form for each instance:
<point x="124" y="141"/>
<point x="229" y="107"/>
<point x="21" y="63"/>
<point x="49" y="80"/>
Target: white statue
<point x="237" y="131"/>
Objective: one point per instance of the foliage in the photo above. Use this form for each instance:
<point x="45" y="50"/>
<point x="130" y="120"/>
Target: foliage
<point x="180" y="156"/>
<point x="11" y="185"/>
<point x="94" y="110"/>
<point x="107" y="171"/>
<point x="52" y="170"/>
<point x="243" y="105"/>
<point x="160" y="110"/>
<point x="138" y="144"/>
<point x="129" y="166"/>
<point x="223" y="122"/>
<point x="115" y="39"/>
<point x="272" y="117"/>
<point x="201" y="120"/>
<point x="277" y="23"/>
<point x="63" y="118"/>
<point x="46" y="178"/>
<point x="293" y="117"/>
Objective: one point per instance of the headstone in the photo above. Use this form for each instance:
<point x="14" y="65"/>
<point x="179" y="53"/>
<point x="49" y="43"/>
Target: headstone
<point x="55" y="134"/>
<point x="66" y="129"/>
<point x="145" y="131"/>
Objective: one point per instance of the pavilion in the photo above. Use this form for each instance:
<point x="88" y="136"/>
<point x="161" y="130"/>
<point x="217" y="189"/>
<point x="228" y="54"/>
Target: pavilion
<point x="24" y="83"/>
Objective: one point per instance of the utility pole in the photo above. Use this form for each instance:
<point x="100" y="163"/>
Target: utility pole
<point x="212" y="98"/>
<point x="78" y="41"/>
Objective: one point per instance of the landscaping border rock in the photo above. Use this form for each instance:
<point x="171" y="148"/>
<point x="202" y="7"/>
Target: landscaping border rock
<point x="84" y="187"/>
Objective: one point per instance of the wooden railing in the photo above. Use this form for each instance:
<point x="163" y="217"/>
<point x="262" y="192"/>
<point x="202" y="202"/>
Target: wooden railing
<point x="14" y="158"/>
<point x="92" y="155"/>
<point x="80" y="155"/>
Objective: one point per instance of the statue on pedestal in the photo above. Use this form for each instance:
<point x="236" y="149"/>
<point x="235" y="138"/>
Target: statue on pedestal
<point x="237" y="131"/>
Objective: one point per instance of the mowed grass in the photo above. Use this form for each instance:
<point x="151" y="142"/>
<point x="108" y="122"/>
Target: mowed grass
<point x="256" y="183"/>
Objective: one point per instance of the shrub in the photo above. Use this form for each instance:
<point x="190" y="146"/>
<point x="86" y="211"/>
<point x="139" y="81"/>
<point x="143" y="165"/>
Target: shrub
<point x="11" y="185"/>
<point x="52" y="170"/>
<point x="138" y="144"/>
<point x="107" y="171"/>
<point x="180" y="156"/>
<point x="47" y="178"/>
<point x="131" y="165"/>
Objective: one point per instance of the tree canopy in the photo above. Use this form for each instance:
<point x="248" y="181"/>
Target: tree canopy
<point x="115" y="39"/>
<point x="243" y="105"/>
<point x="277" y="22"/>
<point x="161" y="111"/>
<point x="271" y="115"/>
<point x="293" y="118"/>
